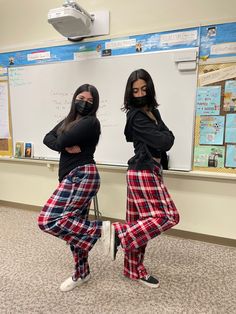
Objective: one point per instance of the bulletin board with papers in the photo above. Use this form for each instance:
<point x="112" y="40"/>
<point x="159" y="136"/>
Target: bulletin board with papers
<point x="215" y="128"/>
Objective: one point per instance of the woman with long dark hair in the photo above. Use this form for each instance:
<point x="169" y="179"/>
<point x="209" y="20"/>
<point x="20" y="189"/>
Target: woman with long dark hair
<point x="150" y="209"/>
<point x="65" y="215"/>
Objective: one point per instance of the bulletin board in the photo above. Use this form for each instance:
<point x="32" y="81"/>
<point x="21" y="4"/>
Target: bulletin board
<point x="215" y="128"/>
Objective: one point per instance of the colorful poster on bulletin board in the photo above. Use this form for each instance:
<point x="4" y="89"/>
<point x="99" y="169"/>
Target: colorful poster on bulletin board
<point x="209" y="156"/>
<point x="231" y="156"/>
<point x="212" y="130"/>
<point x="230" y="96"/>
<point x="208" y="100"/>
<point x="230" y="128"/>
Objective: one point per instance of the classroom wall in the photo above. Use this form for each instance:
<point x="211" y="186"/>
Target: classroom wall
<point x="24" y="23"/>
<point x="206" y="205"/>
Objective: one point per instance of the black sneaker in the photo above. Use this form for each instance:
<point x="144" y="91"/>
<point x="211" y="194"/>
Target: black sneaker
<point x="150" y="281"/>
<point x="115" y="242"/>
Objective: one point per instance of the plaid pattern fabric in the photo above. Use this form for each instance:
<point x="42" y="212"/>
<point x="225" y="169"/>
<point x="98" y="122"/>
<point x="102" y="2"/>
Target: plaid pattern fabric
<point x="150" y="211"/>
<point x="81" y="262"/>
<point x="65" y="215"/>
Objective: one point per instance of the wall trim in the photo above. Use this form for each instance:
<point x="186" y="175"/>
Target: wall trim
<point x="172" y="232"/>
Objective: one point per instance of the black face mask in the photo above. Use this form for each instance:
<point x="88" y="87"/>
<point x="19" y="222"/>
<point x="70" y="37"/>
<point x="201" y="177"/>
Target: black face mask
<point x="83" y="107"/>
<point x="139" y="102"/>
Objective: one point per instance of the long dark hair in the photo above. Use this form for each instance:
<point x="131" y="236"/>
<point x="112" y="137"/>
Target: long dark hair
<point x="72" y="116"/>
<point x="134" y="76"/>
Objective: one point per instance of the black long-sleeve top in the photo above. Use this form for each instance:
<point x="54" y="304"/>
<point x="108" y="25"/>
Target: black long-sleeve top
<point x="150" y="138"/>
<point x="85" y="133"/>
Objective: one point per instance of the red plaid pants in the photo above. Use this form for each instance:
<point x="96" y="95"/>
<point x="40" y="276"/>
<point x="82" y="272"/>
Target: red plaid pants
<point x="150" y="211"/>
<point x="65" y="215"/>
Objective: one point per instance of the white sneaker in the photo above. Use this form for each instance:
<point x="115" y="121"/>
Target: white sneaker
<point x="106" y="236"/>
<point x="69" y="284"/>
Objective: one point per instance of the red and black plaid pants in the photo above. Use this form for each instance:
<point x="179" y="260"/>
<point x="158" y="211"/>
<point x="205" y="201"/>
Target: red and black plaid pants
<point x="150" y="211"/>
<point x="65" y="215"/>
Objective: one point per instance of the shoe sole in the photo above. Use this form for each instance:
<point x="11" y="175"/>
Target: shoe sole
<point x="107" y="239"/>
<point x="150" y="285"/>
<point x="112" y="247"/>
<point x="76" y="285"/>
<point x="87" y="278"/>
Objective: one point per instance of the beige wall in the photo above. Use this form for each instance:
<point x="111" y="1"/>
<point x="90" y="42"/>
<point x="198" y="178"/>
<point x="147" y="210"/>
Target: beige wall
<point x="24" y="22"/>
<point x="206" y="205"/>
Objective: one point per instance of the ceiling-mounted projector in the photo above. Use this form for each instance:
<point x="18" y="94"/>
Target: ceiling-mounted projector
<point x="71" y="20"/>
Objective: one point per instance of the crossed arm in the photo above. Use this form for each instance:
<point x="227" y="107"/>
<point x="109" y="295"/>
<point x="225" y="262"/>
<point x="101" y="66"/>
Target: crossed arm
<point x="73" y="149"/>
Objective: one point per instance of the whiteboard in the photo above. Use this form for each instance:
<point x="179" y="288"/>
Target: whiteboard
<point x="41" y="96"/>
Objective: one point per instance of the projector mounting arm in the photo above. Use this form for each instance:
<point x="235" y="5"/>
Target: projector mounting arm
<point x="74" y="4"/>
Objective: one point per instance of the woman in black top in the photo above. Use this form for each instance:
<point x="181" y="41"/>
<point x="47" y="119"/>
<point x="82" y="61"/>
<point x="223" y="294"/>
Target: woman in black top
<point x="65" y="215"/>
<point x="150" y="209"/>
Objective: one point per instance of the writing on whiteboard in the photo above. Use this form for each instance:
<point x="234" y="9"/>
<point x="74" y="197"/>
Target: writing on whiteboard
<point x="4" y="129"/>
